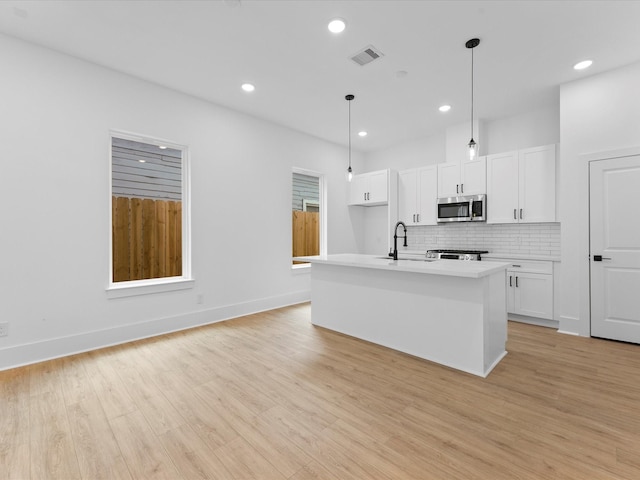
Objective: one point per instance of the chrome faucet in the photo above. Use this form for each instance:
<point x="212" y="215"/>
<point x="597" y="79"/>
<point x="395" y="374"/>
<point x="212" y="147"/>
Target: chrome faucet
<point x="395" y="239"/>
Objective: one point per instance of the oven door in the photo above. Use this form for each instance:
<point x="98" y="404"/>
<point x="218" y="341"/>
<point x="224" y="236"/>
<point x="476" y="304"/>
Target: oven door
<point x="455" y="209"/>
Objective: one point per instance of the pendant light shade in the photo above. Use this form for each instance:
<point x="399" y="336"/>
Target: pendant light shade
<point x="473" y="146"/>
<point x="348" y="98"/>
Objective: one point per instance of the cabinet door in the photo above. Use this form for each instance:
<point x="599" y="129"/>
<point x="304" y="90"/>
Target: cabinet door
<point x="533" y="294"/>
<point x="358" y="190"/>
<point x="511" y="292"/>
<point x="448" y="180"/>
<point x="502" y="188"/>
<point x="537" y="184"/>
<point x="378" y="191"/>
<point x="473" y="177"/>
<point x="427" y="195"/>
<point x="407" y="195"/>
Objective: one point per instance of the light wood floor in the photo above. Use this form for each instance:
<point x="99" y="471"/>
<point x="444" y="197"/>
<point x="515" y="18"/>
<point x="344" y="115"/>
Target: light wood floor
<point x="271" y="397"/>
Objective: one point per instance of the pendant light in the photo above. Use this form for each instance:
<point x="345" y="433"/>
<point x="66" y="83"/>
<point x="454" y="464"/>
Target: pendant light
<point x="348" y="98"/>
<point x="473" y="146"/>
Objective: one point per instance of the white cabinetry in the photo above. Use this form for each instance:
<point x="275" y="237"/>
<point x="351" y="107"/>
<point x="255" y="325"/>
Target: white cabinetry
<point x="530" y="288"/>
<point x="370" y="188"/>
<point x="521" y="186"/>
<point x="467" y="178"/>
<point x="417" y="194"/>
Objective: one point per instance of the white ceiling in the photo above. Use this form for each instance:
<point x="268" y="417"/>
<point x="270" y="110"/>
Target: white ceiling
<point x="302" y="72"/>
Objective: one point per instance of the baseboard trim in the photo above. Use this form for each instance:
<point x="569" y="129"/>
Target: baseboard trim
<point x="27" y="354"/>
<point x="541" y="322"/>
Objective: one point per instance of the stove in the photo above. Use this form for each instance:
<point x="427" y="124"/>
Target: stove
<point x="468" y="255"/>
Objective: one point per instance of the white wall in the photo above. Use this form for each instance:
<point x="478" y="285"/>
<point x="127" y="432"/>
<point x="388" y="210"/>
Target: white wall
<point x="598" y="113"/>
<point x="529" y="129"/>
<point x="56" y="116"/>
<point x="418" y="153"/>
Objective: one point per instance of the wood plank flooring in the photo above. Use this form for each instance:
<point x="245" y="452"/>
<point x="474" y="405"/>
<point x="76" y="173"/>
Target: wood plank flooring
<point x="272" y="397"/>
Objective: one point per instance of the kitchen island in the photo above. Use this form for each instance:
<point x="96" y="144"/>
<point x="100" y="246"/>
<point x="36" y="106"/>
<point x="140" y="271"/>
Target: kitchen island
<point x="446" y="311"/>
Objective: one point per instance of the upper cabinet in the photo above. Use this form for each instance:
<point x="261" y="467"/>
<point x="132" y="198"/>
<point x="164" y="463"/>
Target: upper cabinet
<point x="466" y="178"/>
<point x="417" y="194"/>
<point x="521" y="186"/>
<point x="369" y="189"/>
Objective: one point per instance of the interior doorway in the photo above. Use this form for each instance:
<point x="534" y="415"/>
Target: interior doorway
<point x="614" y="243"/>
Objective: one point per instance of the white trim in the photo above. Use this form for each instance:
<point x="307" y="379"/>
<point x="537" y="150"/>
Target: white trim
<point x="309" y="203"/>
<point x="25" y="354"/>
<point x="154" y="285"/>
<point x="322" y="202"/>
<point x="145" y="287"/>
<point x="609" y="154"/>
<point x="583" y="323"/>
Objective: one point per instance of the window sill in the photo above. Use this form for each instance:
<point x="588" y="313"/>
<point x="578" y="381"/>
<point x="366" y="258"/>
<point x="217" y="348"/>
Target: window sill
<point x="145" y="287"/>
<point x="301" y="268"/>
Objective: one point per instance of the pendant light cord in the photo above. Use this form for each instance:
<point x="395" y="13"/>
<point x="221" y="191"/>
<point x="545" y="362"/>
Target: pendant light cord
<point x="472" y="94"/>
<point x="349" y="133"/>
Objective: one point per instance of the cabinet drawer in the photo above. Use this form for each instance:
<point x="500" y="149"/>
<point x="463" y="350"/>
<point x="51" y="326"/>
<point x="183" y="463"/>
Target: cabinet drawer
<point x="533" y="266"/>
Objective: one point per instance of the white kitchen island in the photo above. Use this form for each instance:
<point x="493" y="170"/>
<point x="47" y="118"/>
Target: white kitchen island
<point x="447" y="311"/>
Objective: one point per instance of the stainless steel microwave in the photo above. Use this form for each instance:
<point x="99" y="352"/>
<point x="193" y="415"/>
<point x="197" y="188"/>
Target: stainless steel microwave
<point x="469" y="208"/>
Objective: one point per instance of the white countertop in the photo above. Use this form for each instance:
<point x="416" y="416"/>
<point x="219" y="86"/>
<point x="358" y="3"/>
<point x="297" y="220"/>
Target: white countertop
<point x="519" y="256"/>
<point x="455" y="268"/>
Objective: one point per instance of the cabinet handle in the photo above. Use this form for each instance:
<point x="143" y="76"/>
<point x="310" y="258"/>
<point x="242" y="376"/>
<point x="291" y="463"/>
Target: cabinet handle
<point x="414" y="218"/>
<point x="364" y="195"/>
<point x="514" y="214"/>
<point x="418" y="217"/>
<point x="511" y="280"/>
<point x="520" y="214"/>
<point x="462" y="188"/>
<point x="516" y="281"/>
<point x="457" y="188"/>
<point x="368" y="196"/>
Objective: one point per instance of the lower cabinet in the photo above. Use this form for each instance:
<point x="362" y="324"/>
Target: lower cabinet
<point x="530" y="288"/>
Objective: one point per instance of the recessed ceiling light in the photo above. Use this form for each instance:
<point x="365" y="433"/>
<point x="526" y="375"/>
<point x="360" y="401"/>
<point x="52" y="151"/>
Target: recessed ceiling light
<point x="142" y="161"/>
<point x="362" y="134"/>
<point x="444" y="108"/>
<point x="337" y="25"/>
<point x="582" y="65"/>
<point x="247" y="87"/>
<point x="162" y="147"/>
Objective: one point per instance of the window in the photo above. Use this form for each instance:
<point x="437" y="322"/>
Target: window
<point x="307" y="214"/>
<point x="149" y="211"/>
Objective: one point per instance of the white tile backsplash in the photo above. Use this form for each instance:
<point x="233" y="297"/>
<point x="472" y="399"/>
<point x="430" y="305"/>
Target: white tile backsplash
<point x="519" y="238"/>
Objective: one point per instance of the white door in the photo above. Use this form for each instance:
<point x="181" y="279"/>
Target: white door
<point x="537" y="184"/>
<point x="474" y="176"/>
<point x="615" y="248"/>
<point x="407" y="194"/>
<point x="448" y="179"/>
<point x="358" y="190"/>
<point x="378" y="187"/>
<point x="502" y="187"/>
<point x="428" y="195"/>
<point x="533" y="295"/>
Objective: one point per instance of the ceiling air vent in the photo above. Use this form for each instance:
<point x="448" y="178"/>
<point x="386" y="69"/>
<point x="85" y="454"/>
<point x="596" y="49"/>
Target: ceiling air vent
<point x="367" y="55"/>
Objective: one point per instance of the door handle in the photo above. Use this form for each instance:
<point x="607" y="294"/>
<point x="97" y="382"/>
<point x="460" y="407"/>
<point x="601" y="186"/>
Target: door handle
<point x="599" y="258"/>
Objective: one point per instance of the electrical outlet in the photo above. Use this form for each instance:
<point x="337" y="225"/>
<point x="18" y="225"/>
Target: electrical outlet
<point x="4" y="329"/>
